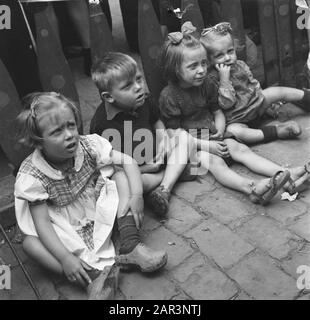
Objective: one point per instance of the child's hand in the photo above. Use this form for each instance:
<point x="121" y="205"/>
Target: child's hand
<point x="224" y="71"/>
<point x="219" y="148"/>
<point x="217" y="136"/>
<point x="74" y="269"/>
<point x="136" y="205"/>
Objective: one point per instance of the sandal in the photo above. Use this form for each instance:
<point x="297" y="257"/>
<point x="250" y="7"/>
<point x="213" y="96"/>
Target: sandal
<point x="299" y="184"/>
<point x="275" y="184"/>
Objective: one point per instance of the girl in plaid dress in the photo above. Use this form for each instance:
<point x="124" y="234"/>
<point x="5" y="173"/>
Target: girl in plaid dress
<point x="67" y="225"/>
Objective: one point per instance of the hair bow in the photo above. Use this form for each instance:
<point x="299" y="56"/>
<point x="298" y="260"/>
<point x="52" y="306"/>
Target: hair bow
<point x="177" y="37"/>
<point x="220" y="28"/>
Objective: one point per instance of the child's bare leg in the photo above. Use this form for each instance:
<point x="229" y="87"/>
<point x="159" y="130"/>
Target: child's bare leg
<point x="229" y="178"/>
<point x="244" y="133"/>
<point x="176" y="162"/>
<point x="151" y="180"/>
<point x="37" y="251"/>
<point x="158" y="199"/>
<point x="274" y="94"/>
<point x="243" y="154"/>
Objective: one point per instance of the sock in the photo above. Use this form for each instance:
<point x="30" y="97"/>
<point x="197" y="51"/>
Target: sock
<point x="129" y="234"/>
<point x="304" y="103"/>
<point x="270" y="133"/>
<point x="87" y="61"/>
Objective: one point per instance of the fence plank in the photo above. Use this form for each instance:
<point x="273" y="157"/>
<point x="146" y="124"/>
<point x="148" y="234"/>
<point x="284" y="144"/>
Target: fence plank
<point x="268" y="37"/>
<point x="192" y="13"/>
<point x="231" y="11"/>
<point x="285" y="42"/>
<point x="54" y="70"/>
<point x="9" y="109"/>
<point x="150" y="42"/>
<point x="101" y="40"/>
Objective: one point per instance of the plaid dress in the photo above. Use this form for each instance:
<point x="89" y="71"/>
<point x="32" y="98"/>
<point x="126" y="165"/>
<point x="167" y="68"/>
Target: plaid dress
<point x="83" y="224"/>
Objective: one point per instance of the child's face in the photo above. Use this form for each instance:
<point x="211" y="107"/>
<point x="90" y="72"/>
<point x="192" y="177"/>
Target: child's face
<point x="193" y="69"/>
<point x="59" y="132"/>
<point x="129" y="94"/>
<point x="223" y="51"/>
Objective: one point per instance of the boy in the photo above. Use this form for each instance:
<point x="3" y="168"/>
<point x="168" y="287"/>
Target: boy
<point x="127" y="114"/>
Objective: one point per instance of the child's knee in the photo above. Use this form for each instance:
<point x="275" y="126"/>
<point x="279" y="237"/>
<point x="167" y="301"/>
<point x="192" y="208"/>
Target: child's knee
<point x="31" y="244"/>
<point x="235" y="129"/>
<point x="237" y="148"/>
<point x="184" y="139"/>
<point x="119" y="176"/>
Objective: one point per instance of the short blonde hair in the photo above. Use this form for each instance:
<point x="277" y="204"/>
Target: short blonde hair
<point x="114" y="66"/>
<point x="29" y="133"/>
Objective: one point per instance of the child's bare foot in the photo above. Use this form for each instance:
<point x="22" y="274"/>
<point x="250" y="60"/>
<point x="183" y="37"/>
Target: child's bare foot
<point x="264" y="190"/>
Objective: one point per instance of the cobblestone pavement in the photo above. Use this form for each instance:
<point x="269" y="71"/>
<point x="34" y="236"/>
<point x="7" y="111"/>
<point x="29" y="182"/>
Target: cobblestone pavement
<point x="220" y="245"/>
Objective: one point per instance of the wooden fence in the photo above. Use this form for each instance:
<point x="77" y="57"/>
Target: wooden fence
<point x="284" y="49"/>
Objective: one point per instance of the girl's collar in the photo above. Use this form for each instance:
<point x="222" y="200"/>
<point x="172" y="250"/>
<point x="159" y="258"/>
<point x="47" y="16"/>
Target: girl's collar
<point x="44" y="166"/>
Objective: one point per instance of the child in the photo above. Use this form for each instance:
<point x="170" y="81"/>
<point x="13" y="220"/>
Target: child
<point x="129" y="117"/>
<point x="67" y="230"/>
<point x="189" y="102"/>
<point x="240" y="95"/>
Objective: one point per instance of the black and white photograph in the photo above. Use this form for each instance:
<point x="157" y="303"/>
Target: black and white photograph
<point x="155" y="151"/>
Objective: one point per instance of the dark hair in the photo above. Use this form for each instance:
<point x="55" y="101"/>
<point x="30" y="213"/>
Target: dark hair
<point x="171" y="56"/>
<point x="29" y="133"/>
<point x="112" y="67"/>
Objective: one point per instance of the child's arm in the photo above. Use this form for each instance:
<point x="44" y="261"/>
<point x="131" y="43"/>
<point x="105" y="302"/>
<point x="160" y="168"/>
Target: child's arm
<point x="226" y="92"/>
<point x="72" y="266"/>
<point x="135" y="183"/>
<point x="220" y="125"/>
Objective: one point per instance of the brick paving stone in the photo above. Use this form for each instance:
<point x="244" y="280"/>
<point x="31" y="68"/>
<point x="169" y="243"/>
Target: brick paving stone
<point x="226" y="208"/>
<point x="243" y="296"/>
<point x="261" y="279"/>
<point x="150" y="221"/>
<point x="69" y="291"/>
<point x="21" y="289"/>
<point x="138" y="286"/>
<point x="202" y="281"/>
<point x="302" y="227"/>
<point x="192" y="190"/>
<point x="8" y="256"/>
<point x="296" y="259"/>
<point x="305" y="195"/>
<point x="304" y="297"/>
<point x="286" y="212"/>
<point x="181" y="217"/>
<point x="175" y="246"/>
<point x="265" y="234"/>
<point x="219" y="243"/>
